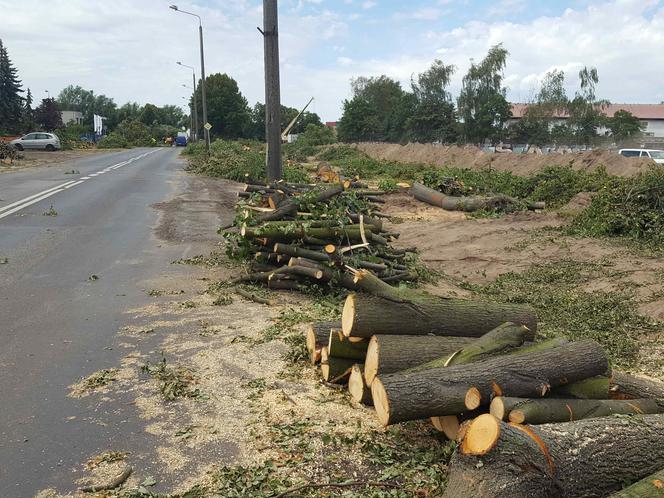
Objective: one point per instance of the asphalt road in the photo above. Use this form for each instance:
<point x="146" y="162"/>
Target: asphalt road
<point x="56" y="323"/>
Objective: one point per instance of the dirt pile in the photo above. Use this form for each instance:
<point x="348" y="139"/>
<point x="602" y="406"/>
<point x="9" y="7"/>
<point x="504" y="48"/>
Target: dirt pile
<point x="471" y="157"/>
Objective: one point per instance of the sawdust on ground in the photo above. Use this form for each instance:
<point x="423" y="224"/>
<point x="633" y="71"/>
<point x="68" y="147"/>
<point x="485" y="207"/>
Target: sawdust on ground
<point x="33" y="158"/>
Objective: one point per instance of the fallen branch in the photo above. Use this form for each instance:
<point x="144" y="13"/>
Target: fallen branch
<point x="111" y="485"/>
<point x="254" y="297"/>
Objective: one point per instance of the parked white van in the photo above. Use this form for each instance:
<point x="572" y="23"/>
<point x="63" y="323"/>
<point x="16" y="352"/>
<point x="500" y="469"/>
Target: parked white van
<point x="655" y="155"/>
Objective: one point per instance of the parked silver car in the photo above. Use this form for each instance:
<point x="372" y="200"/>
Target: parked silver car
<point x="38" y="140"/>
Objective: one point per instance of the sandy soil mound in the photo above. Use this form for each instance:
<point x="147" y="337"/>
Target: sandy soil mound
<point x="472" y="157"/>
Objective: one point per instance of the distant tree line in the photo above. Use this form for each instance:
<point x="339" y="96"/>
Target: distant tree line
<point x="381" y="110"/>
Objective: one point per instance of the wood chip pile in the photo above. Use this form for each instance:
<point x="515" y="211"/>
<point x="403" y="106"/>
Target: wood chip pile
<point x="532" y="419"/>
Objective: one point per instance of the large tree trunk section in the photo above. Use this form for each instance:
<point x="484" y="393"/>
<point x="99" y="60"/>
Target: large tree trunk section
<point x="627" y="386"/>
<point x="335" y="370"/>
<point x="468" y="204"/>
<point x="649" y="487"/>
<point x="452" y="390"/>
<point x="593" y="388"/>
<point x="392" y="353"/>
<point x="587" y="458"/>
<point x="357" y="388"/>
<point x="317" y="335"/>
<point x="420" y="313"/>
<point x="340" y="346"/>
<point x="502" y="339"/>
<point x="552" y="410"/>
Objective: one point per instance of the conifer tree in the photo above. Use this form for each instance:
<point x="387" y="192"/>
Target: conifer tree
<point x="11" y="102"/>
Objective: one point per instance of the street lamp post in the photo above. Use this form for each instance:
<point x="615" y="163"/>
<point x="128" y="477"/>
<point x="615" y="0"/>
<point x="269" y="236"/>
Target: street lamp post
<point x="200" y="34"/>
<point x="191" y="112"/>
<point x="196" y="123"/>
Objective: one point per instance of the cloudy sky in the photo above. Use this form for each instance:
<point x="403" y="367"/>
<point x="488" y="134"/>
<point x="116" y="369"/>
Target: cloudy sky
<point x="127" y="49"/>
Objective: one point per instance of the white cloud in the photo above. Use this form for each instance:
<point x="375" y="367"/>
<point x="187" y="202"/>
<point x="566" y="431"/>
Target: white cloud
<point x="128" y="51"/>
<point x="369" y="5"/>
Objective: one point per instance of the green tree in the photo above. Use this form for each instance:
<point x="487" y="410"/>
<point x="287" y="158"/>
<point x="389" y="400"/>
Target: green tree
<point x="482" y="103"/>
<point x="76" y="98"/>
<point x="48" y="116"/>
<point x="375" y="112"/>
<point x="536" y="125"/>
<point x="257" y="126"/>
<point x="11" y="102"/>
<point x="359" y="121"/>
<point x="27" y="119"/>
<point x="434" y="117"/>
<point x="128" y="112"/>
<point x="227" y="109"/>
<point x="150" y="115"/>
<point x="585" y="111"/>
<point x="624" y="125"/>
<point x="172" y="115"/>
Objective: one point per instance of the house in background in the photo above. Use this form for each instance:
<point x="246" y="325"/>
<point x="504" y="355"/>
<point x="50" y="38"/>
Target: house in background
<point x="651" y="115"/>
<point x="75" y="117"/>
<point x="332" y="125"/>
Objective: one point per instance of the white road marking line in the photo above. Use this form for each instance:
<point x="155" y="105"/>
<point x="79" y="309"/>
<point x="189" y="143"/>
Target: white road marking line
<point x="34" y="201"/>
<point x="4" y="208"/>
<point x="73" y="184"/>
<point x="35" y="198"/>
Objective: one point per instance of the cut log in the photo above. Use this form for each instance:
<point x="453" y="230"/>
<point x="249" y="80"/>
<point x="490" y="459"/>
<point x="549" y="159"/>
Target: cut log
<point x="593" y="388"/>
<point x="470" y="203"/>
<point x="587" y="458"/>
<point x="452" y="390"/>
<point x="392" y="353"/>
<point x="338" y="345"/>
<point x="627" y="386"/>
<point x="451" y="425"/>
<point x="317" y="335"/>
<point x="410" y="312"/>
<point x="335" y="370"/>
<point x="502" y="339"/>
<point x="296" y="251"/>
<point x="357" y="388"/>
<point x="552" y="410"/>
<point x="649" y="487"/>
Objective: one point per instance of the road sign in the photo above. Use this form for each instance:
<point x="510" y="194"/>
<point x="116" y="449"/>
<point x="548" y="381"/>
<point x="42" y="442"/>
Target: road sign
<point x="207" y="126"/>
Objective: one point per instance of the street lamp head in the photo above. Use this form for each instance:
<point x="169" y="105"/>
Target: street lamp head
<point x="174" y="7"/>
<point x="179" y="63"/>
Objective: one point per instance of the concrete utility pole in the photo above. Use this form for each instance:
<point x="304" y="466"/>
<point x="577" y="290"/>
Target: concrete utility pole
<point x="272" y="89"/>
<point x="196" y="125"/>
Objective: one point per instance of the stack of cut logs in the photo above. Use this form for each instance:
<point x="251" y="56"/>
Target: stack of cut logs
<point x="303" y="234"/>
<point x="533" y="419"/>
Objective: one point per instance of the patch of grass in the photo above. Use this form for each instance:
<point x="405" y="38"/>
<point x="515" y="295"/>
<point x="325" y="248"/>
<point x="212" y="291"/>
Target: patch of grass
<point x="629" y="208"/>
<point x="174" y="381"/>
<point x="223" y="300"/>
<point x="213" y="260"/>
<point x="188" y="304"/>
<point x="563" y="308"/>
<point x="409" y="460"/>
<point x="100" y="379"/>
<point x="50" y="212"/>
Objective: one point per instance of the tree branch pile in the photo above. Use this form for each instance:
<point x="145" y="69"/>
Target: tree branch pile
<point x="296" y="235"/>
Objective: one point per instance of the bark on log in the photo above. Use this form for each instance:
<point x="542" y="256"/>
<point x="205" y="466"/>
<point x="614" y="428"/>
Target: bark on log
<point x="341" y="347"/>
<point x="296" y="251"/>
<point x="285" y="209"/>
<point x="357" y="387"/>
<point x="467" y="204"/>
<point x="392" y="353"/>
<point x="504" y="338"/>
<point x="627" y="386"/>
<point x="335" y="370"/>
<point x="587" y="458"/>
<point x="408" y="312"/>
<point x="552" y="410"/>
<point x="452" y="390"/>
<point x="593" y="388"/>
<point x="317" y="335"/>
<point x="297" y="232"/>
<point x="649" y="487"/>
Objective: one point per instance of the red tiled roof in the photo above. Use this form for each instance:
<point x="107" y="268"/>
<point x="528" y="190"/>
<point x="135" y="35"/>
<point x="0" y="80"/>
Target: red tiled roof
<point x="331" y="124"/>
<point x="641" y="111"/>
